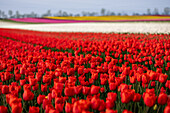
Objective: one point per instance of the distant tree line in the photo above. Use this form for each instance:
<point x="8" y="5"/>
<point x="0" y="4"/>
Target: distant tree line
<point x="103" y="12"/>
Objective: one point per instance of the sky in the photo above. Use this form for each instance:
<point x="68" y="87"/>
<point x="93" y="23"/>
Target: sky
<point x="77" y="6"/>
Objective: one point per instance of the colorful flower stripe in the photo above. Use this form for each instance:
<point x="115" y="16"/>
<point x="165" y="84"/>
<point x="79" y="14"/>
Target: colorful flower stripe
<point x="84" y="72"/>
<point x="113" y="18"/>
<point x="92" y="19"/>
<point x="43" y="20"/>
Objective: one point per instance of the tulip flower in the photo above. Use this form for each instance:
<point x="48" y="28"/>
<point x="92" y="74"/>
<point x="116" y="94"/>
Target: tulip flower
<point x="167" y="109"/>
<point x="33" y="109"/>
<point x="28" y="95"/>
<point x="3" y="109"/>
<point x="94" y="89"/>
<point x="162" y="98"/>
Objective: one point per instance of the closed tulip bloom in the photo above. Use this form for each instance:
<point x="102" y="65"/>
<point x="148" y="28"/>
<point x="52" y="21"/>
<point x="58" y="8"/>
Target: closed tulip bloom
<point x="78" y="89"/>
<point x="109" y="104"/>
<point x="40" y="99"/>
<point x="111" y="111"/>
<point x="58" y="86"/>
<point x="77" y="108"/>
<point x="149" y="99"/>
<point x="59" y="107"/>
<point x="127" y="95"/>
<point x="127" y="111"/>
<point x="86" y="90"/>
<point x="102" y="106"/>
<point x="132" y="79"/>
<point x="167" y="84"/>
<point x="3" y="109"/>
<point x="28" y="95"/>
<point x="167" y="109"/>
<point x="102" y="90"/>
<point x="22" y="82"/>
<point x="43" y="87"/>
<point x="123" y="86"/>
<point x="33" y="109"/>
<point x="33" y="81"/>
<point x="80" y="70"/>
<point x="153" y="83"/>
<point x="163" y="78"/>
<point x="162" y="98"/>
<point x="112" y="96"/>
<point x="68" y="108"/>
<point x="69" y="91"/>
<point x="5" y="89"/>
<point x="16" y="108"/>
<point x="112" y="86"/>
<point x="35" y="88"/>
<point x="95" y="103"/>
<point x="136" y="97"/>
<point x="95" y="89"/>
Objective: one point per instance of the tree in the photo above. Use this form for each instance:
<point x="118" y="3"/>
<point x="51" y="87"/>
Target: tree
<point x="77" y="15"/>
<point x="0" y="13"/>
<point x="119" y="14"/>
<point x="155" y="12"/>
<point x="103" y="11"/>
<point x="10" y="13"/>
<point x="59" y="13"/>
<point x="167" y="10"/>
<point x="49" y="13"/>
<point x="17" y="14"/>
<point x="65" y="13"/>
<point x="84" y="13"/>
<point x="148" y="11"/>
<point x="112" y="13"/>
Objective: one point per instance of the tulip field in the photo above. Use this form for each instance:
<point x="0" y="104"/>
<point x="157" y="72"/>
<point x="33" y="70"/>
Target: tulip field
<point x="87" y="19"/>
<point x="80" y="72"/>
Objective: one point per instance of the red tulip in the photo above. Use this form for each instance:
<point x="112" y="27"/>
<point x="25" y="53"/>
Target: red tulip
<point x="22" y="82"/>
<point x="95" y="89"/>
<point x="43" y="87"/>
<point x="33" y="81"/>
<point x="86" y="90"/>
<point x="78" y="89"/>
<point x="33" y="109"/>
<point x="127" y="95"/>
<point x="163" y="78"/>
<point x="40" y="99"/>
<point x="126" y="111"/>
<point x="16" y="108"/>
<point x="69" y="91"/>
<point x="111" y="96"/>
<point x="59" y="107"/>
<point x="111" y="111"/>
<point x="35" y="88"/>
<point x="149" y="99"/>
<point x="68" y="108"/>
<point x="28" y="95"/>
<point x="109" y="104"/>
<point x="3" y="109"/>
<point x="136" y="97"/>
<point x="58" y="86"/>
<point x="102" y="106"/>
<point x="102" y="90"/>
<point x="17" y="77"/>
<point x="167" y="109"/>
<point x="5" y="89"/>
<point x="76" y="108"/>
<point x="112" y="86"/>
<point x="162" y="98"/>
<point x="95" y="103"/>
